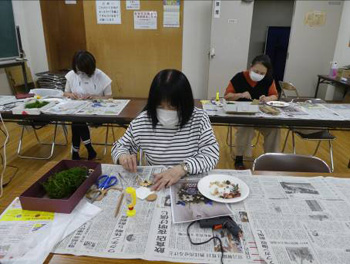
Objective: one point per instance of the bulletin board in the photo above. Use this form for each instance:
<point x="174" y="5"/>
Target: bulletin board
<point x="131" y="58"/>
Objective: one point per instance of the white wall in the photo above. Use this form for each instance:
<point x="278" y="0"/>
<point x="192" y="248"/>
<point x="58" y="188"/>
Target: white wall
<point x="196" y="45"/>
<point x="312" y="48"/>
<point x="342" y="49"/>
<point x="268" y="14"/>
<point x="230" y="35"/>
<point x="28" y="18"/>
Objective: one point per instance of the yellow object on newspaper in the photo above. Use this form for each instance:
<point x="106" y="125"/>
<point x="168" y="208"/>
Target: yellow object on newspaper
<point x="26" y="215"/>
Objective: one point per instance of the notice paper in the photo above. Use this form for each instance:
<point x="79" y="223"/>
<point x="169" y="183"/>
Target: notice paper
<point x="145" y="19"/>
<point x="315" y="18"/>
<point x="108" y="12"/>
<point x="133" y="5"/>
<point x="171" y="14"/>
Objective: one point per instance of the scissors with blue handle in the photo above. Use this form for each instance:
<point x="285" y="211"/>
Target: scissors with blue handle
<point x="105" y="182"/>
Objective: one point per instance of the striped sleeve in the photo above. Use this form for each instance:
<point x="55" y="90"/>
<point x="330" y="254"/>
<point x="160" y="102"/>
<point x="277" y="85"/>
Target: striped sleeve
<point x="125" y="145"/>
<point x="208" y="152"/>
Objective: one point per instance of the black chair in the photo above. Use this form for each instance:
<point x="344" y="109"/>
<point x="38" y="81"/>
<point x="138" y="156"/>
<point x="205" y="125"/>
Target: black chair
<point x="290" y="162"/>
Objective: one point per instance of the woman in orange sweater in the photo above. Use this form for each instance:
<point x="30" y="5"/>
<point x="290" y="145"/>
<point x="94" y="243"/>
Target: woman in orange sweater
<point x="255" y="83"/>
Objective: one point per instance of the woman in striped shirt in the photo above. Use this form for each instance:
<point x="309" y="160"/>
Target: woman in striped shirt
<point x="171" y="132"/>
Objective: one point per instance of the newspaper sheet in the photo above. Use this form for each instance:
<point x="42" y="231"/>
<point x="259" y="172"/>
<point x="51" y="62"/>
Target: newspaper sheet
<point x="151" y="234"/>
<point x="110" y="237"/>
<point x="341" y="109"/>
<point x="66" y="107"/>
<point x="29" y="236"/>
<point x="300" y="220"/>
<point x="190" y="205"/>
<point x="7" y="99"/>
<point x="105" y="107"/>
<point x="303" y="111"/>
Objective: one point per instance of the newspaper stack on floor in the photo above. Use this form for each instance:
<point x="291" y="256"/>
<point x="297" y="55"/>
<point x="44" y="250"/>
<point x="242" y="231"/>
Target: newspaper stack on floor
<point x="151" y="235"/>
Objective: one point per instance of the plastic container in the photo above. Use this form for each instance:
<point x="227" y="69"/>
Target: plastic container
<point x="333" y="69"/>
<point x="43" y="92"/>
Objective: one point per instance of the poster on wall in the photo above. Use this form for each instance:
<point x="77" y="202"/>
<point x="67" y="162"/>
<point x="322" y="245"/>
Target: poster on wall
<point x="145" y="19"/>
<point x="70" y="2"/>
<point x="315" y="18"/>
<point x="133" y="5"/>
<point x="108" y="12"/>
<point x="171" y="13"/>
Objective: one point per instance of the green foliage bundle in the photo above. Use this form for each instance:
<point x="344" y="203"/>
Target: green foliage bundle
<point x="36" y="104"/>
<point x="64" y="183"/>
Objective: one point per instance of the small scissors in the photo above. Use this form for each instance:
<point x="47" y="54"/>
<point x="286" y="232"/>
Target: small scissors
<point x="103" y="183"/>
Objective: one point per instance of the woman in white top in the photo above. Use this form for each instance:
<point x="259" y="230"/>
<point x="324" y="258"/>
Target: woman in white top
<point x="171" y="132"/>
<point x="85" y="82"/>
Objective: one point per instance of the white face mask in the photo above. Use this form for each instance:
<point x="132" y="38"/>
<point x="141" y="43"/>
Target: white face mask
<point x="82" y="74"/>
<point x="168" y="118"/>
<point x="255" y="76"/>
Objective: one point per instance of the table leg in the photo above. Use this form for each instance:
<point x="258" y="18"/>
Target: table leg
<point x="318" y="84"/>
<point x="25" y="77"/>
<point x="345" y="91"/>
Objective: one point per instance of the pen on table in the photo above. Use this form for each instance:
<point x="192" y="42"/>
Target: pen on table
<point x="122" y="180"/>
<point x="119" y="204"/>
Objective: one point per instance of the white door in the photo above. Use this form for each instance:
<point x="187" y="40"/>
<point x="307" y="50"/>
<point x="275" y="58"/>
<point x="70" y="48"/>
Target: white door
<point x="230" y="36"/>
<point x="311" y="48"/>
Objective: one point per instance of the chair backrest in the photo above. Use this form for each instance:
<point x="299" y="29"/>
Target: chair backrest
<point x="308" y="100"/>
<point x="290" y="162"/>
<point x="287" y="86"/>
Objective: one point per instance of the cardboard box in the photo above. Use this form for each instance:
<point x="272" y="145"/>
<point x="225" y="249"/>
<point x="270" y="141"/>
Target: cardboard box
<point x="343" y="73"/>
<point x="34" y="197"/>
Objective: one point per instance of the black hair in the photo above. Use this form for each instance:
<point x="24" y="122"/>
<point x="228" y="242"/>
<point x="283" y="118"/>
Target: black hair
<point x="264" y="60"/>
<point x="173" y="87"/>
<point x="84" y="61"/>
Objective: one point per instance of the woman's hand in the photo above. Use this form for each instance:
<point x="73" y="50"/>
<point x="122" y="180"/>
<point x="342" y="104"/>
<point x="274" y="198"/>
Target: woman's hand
<point x="86" y="97"/>
<point x="168" y="178"/>
<point x="72" y="96"/>
<point x="265" y="99"/>
<point x="237" y="96"/>
<point x="128" y="162"/>
<point x="246" y="95"/>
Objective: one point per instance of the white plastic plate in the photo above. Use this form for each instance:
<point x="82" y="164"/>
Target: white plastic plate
<point x="205" y="190"/>
<point x="277" y="104"/>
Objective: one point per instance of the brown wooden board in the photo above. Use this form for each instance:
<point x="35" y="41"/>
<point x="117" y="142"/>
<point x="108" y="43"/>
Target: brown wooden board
<point x="131" y="58"/>
<point x="64" y="31"/>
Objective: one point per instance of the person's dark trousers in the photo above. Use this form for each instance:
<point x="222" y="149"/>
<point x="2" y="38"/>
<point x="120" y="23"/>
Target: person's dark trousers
<point x="80" y="132"/>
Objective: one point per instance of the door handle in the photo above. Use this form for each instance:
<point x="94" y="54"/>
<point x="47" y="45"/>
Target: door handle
<point x="211" y="53"/>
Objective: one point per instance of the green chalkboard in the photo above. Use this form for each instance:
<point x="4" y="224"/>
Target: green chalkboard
<point x="8" y="38"/>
